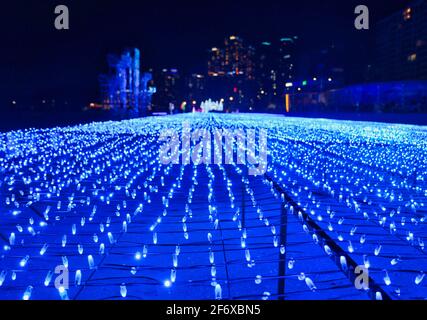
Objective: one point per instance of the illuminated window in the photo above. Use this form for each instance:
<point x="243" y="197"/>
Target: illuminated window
<point x="412" y="57"/>
<point x="407" y="14"/>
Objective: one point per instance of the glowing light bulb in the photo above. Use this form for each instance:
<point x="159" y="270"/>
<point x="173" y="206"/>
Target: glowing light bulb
<point x="218" y="292"/>
<point x="91" y="262"/>
<point x="27" y="293"/>
<point x="24" y="261"/>
<point x="123" y="290"/>
<point x="138" y="255"/>
<point x="78" y="278"/>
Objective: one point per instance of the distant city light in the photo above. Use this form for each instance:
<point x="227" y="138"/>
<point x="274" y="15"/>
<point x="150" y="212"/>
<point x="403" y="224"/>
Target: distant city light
<point x="407" y="14"/>
<point x="314" y="79"/>
<point x="289" y="84"/>
<point x="287" y="40"/>
<point x="329" y="79"/>
<point x="412" y="57"/>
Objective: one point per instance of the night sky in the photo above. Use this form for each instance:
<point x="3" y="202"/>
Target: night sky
<point x="37" y="60"/>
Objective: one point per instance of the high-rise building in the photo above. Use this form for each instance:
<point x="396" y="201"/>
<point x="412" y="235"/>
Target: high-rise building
<point x="231" y="73"/>
<point x="196" y="87"/>
<point x="275" y="70"/>
<point x="266" y="72"/>
<point x="169" y="86"/>
<point x="401" y="44"/>
<point x="234" y="59"/>
<point x="216" y="64"/>
<point x="287" y="59"/>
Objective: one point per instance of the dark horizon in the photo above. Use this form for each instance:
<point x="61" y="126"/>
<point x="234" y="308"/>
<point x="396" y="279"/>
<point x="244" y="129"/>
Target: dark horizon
<point x="37" y="60"/>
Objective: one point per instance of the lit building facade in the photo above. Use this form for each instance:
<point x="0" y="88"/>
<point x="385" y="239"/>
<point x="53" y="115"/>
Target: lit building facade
<point x="170" y="88"/>
<point x="234" y="59"/>
<point x="216" y="63"/>
<point x="287" y="59"/>
<point x="232" y="73"/>
<point x="275" y="71"/>
<point x="401" y="44"/>
<point x="196" y="87"/>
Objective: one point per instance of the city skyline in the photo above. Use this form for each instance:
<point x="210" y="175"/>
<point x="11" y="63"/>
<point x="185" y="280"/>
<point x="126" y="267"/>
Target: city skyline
<point x="181" y="42"/>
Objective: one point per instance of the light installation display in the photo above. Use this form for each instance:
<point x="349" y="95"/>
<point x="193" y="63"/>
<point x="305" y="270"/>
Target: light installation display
<point x="125" y="89"/>
<point x="92" y="204"/>
<point x="209" y="105"/>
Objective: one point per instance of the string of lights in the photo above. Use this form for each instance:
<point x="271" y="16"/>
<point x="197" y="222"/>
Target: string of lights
<point x="96" y="202"/>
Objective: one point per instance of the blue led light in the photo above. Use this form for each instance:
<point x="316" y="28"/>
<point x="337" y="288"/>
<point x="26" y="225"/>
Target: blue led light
<point x="90" y="211"/>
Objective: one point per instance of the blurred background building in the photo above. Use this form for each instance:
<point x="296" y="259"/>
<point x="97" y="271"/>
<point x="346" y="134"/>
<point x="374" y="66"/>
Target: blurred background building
<point x="287" y="74"/>
<point x="170" y="88"/>
<point x="124" y="89"/>
<point x="231" y="73"/>
<point x="396" y="76"/>
<point x="400" y="50"/>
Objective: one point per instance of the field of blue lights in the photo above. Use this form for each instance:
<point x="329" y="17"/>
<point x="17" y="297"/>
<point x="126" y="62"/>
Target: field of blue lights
<point x="96" y="201"/>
